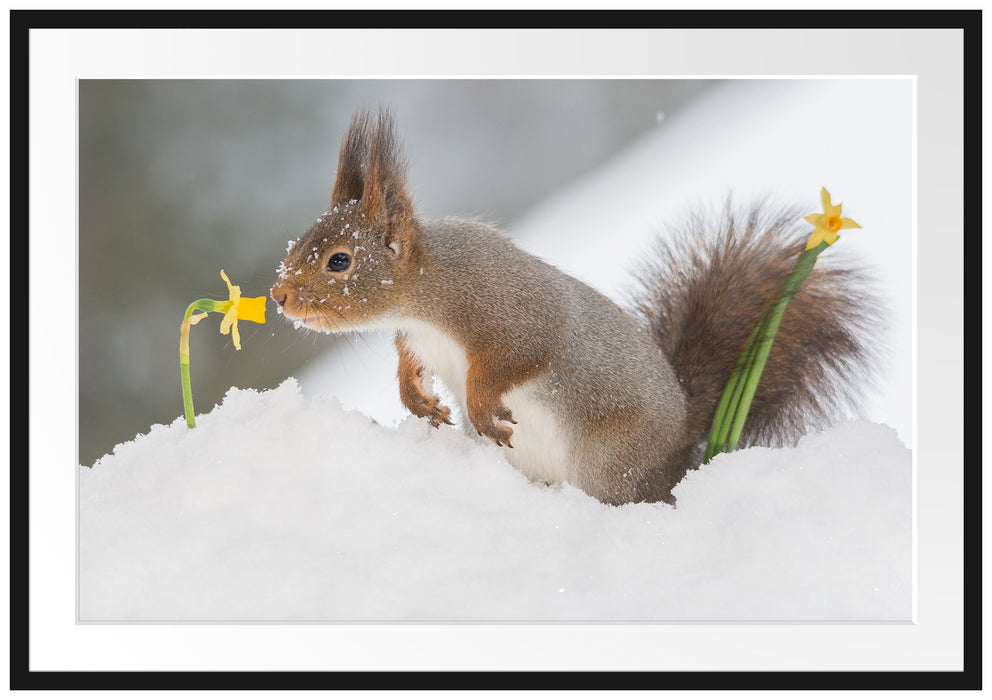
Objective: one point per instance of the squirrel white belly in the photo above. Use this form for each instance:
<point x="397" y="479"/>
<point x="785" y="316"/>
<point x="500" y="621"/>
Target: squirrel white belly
<point x="570" y="386"/>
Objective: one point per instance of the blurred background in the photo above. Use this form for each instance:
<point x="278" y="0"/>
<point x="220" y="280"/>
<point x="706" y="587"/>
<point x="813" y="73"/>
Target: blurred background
<point x="181" y="178"/>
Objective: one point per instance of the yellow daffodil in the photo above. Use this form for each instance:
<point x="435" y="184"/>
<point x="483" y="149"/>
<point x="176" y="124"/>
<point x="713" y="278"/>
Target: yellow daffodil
<point x="238" y="308"/>
<point x="828" y="223"/>
<point x="234" y="309"/>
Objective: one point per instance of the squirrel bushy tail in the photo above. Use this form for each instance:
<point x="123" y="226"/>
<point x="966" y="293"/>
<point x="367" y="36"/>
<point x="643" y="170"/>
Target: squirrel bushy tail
<point x="706" y="289"/>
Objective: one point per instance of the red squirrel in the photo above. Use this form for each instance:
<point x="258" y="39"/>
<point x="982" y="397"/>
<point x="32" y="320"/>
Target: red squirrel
<point x="572" y="387"/>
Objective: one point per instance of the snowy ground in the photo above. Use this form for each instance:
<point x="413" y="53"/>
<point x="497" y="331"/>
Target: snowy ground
<point x="283" y="506"/>
<point x="279" y="507"/>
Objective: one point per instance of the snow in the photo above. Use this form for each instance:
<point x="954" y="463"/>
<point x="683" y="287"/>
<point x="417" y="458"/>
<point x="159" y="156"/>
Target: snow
<point x="282" y="508"/>
<point x="324" y="500"/>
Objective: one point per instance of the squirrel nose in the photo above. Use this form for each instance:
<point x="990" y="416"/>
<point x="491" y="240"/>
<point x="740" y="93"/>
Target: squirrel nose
<point x="278" y="295"/>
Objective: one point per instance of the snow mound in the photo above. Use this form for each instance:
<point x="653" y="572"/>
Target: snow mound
<point x="284" y="508"/>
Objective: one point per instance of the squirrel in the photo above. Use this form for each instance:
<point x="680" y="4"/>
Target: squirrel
<point x="571" y="386"/>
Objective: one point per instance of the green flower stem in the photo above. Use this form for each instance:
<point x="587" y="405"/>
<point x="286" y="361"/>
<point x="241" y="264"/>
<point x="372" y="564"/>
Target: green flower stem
<point x="735" y="402"/>
<point x="723" y="418"/>
<point x="187" y="392"/>
<point x="198" y="305"/>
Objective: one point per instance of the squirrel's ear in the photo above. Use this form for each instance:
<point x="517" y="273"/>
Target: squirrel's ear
<point x="398" y="229"/>
<point x="385" y="201"/>
<point x="390" y="210"/>
<point x="349" y="183"/>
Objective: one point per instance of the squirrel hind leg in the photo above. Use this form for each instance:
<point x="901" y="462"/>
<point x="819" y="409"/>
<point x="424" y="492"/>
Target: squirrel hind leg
<point x="626" y="459"/>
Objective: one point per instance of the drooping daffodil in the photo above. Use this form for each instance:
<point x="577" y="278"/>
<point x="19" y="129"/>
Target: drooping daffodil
<point x="235" y="308"/>
<point x="828" y="223"/>
<point x="238" y="308"/>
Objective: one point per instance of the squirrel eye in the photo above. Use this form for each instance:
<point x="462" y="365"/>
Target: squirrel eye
<point x="339" y="262"/>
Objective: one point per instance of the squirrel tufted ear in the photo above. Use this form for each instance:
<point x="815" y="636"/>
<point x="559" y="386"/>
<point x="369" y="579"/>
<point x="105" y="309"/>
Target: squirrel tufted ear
<point x="371" y="169"/>
<point x="349" y="183"/>
<point x="385" y="201"/>
<point x="398" y="234"/>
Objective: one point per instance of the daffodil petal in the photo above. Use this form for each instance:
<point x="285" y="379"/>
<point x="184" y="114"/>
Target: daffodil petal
<point x="815" y="219"/>
<point x="828" y="208"/>
<point x="848" y="223"/>
<point x="816" y="238"/>
<point x="235" y="336"/>
<point x="252" y="310"/>
<point x="229" y="318"/>
<point x="830" y="237"/>
<point x="824" y="201"/>
<point x="233" y="290"/>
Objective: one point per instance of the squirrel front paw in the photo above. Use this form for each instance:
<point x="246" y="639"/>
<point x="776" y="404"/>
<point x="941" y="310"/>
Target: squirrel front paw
<point x="411" y="375"/>
<point x="429" y="407"/>
<point x="422" y="404"/>
<point x="485" y="424"/>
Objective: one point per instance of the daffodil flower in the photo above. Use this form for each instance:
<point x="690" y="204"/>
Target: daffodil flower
<point x="732" y="410"/>
<point x="828" y="223"/>
<point x="237" y="308"/>
<point x="234" y="309"/>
